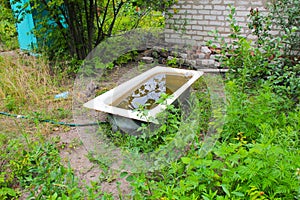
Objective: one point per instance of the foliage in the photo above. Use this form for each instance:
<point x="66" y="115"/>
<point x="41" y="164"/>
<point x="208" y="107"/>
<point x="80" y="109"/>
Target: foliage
<point x="7" y="28"/>
<point x="150" y="141"/>
<point x="260" y="132"/>
<point x="238" y="167"/>
<point x="77" y="26"/>
<point x="265" y="60"/>
<point x="172" y="62"/>
<point x="285" y="15"/>
<point x="35" y="167"/>
<point x="127" y="57"/>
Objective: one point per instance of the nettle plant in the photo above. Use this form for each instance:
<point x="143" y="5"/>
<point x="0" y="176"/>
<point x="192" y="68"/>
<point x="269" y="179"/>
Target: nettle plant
<point x="271" y="59"/>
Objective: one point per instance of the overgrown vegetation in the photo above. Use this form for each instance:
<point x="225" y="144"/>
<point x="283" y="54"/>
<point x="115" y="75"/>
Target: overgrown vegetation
<point x="271" y="59"/>
<point x="76" y="27"/>
<point x="34" y="167"/>
<point x="255" y="157"/>
<point x="8" y="39"/>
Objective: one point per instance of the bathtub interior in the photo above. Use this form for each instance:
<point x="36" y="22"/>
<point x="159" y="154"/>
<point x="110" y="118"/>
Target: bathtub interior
<point x="110" y="101"/>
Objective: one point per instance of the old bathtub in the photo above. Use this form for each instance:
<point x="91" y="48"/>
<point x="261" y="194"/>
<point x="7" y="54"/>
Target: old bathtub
<point x="145" y="89"/>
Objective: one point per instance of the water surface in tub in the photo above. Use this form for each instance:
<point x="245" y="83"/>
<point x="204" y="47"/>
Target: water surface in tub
<point x="148" y="92"/>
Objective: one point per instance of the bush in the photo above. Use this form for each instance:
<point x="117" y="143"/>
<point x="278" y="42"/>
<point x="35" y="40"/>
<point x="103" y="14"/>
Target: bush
<point x="269" y="59"/>
<point x="239" y="166"/>
<point x="8" y="33"/>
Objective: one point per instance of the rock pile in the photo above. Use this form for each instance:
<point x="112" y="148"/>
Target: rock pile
<point x="197" y="57"/>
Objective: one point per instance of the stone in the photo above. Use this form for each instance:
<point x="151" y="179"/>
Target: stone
<point x="170" y="57"/>
<point x="208" y="63"/>
<point x="183" y="55"/>
<point x="217" y="64"/>
<point x="147" y="59"/>
<point x="190" y="63"/>
<point x="201" y="55"/>
<point x="205" y="50"/>
<point x="199" y="62"/>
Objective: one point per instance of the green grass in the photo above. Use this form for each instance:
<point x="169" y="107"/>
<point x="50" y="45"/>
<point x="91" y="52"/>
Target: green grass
<point x="255" y="157"/>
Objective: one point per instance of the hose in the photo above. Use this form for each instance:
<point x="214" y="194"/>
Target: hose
<point x="51" y="121"/>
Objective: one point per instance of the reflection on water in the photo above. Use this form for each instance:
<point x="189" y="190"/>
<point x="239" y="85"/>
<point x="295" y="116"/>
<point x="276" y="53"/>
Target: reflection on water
<point x="149" y="92"/>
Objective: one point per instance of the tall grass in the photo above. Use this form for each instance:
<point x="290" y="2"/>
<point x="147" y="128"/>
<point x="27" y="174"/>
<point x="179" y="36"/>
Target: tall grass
<point x="24" y="81"/>
<point x="27" y="88"/>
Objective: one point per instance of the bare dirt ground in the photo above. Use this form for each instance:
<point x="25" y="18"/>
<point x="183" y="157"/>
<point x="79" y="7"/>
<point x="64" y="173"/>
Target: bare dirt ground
<point x="75" y="154"/>
<point x="75" y="146"/>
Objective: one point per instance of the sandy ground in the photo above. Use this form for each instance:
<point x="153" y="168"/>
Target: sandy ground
<point x="77" y="144"/>
<point x="75" y="154"/>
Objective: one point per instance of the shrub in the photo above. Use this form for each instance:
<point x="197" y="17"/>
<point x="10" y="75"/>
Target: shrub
<point x="268" y="59"/>
<point x="8" y="31"/>
<point x="238" y="167"/>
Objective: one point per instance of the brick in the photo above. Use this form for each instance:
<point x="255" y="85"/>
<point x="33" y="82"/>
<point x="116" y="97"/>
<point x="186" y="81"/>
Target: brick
<point x="207" y="15"/>
<point x="229" y="2"/>
<point x="217" y="23"/>
<point x="219" y="7"/>
<point x="203" y="22"/>
<point x="226" y="13"/>
<point x="197" y="16"/>
<point x="208" y="7"/>
<point x="208" y="38"/>
<point x="197" y="7"/>
<point x="176" y="6"/>
<point x="192" y="22"/>
<point x="216" y="12"/>
<point x="241" y="19"/>
<point x="175" y="35"/>
<point x="227" y="29"/>
<point x="243" y="13"/>
<point x="257" y="3"/>
<point x="176" y="16"/>
<point x="197" y="27"/>
<point x="188" y="27"/>
<point x="204" y="12"/>
<point x="192" y="12"/>
<point x="170" y="40"/>
<point x="208" y="62"/>
<point x="186" y="6"/>
<point x="221" y="29"/>
<point x="210" y="17"/>
<point x="241" y="8"/>
<point x="216" y="2"/>
<point x="169" y="21"/>
<point x="221" y="18"/>
<point x="197" y="37"/>
<point x="209" y="28"/>
<point x="205" y="1"/>
<point x="202" y="33"/>
<point x="244" y="2"/>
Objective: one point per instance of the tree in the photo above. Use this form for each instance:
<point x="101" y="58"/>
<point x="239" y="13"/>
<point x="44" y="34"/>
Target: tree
<point x="77" y="26"/>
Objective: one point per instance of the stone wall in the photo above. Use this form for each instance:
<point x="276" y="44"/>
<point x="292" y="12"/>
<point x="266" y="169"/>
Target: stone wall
<point x="193" y="20"/>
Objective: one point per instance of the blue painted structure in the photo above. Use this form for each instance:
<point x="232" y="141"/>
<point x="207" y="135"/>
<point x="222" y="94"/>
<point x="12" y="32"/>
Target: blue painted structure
<point x="25" y="25"/>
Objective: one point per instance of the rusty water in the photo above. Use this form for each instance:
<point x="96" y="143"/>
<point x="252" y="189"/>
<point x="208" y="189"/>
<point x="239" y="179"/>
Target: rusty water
<point x="149" y="92"/>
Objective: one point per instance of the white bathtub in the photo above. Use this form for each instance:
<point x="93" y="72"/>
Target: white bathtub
<point x="106" y="101"/>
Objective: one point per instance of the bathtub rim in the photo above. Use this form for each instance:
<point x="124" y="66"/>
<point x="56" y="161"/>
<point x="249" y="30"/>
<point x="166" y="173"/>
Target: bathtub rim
<point x="103" y="102"/>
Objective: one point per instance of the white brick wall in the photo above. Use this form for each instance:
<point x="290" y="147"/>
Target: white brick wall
<point x="204" y="16"/>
